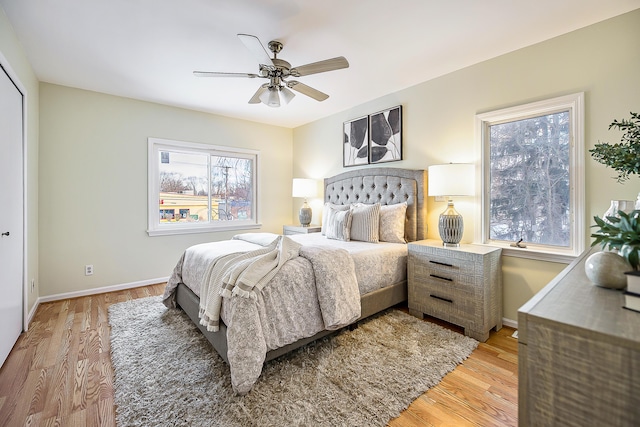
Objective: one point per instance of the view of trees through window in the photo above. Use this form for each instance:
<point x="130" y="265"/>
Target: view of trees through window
<point x="530" y="180"/>
<point x="204" y="187"/>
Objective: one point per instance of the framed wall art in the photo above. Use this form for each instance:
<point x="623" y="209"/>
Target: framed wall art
<point x="356" y="142"/>
<point x="385" y="135"/>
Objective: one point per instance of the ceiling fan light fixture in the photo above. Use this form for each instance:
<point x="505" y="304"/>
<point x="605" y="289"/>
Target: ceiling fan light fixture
<point x="286" y="95"/>
<point x="271" y="97"/>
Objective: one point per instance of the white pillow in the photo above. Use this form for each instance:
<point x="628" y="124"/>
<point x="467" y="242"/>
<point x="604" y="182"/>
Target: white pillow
<point x="392" y="219"/>
<point x="338" y="224"/>
<point x="325" y="214"/>
<point x="365" y="222"/>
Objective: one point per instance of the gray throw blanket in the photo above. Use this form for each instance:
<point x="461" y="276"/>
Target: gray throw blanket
<point x="242" y="275"/>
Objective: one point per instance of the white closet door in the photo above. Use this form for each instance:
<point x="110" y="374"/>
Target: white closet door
<point x="11" y="215"/>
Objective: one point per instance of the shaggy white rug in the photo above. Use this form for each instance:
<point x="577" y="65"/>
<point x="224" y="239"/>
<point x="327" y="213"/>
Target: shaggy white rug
<point x="167" y="373"/>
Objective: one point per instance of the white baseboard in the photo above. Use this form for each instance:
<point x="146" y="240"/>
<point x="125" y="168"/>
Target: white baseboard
<point x="95" y="291"/>
<point x="32" y="313"/>
<point x="510" y="323"/>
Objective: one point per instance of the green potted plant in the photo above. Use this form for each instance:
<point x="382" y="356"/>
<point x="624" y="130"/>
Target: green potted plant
<point x="620" y="233"/>
<point x="620" y="239"/>
<point x="623" y="157"/>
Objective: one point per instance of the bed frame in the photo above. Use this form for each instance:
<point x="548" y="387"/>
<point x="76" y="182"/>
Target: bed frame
<point x="386" y="186"/>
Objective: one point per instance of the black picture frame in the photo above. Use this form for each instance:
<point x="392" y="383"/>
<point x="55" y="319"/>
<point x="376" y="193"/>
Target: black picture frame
<point x="385" y="135"/>
<point x="355" y="146"/>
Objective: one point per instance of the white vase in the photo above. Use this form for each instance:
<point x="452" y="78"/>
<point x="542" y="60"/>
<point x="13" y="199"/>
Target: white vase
<point x="619" y="205"/>
<point x="606" y="269"/>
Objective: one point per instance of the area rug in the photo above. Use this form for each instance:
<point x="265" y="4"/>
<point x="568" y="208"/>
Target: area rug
<point x="167" y="373"/>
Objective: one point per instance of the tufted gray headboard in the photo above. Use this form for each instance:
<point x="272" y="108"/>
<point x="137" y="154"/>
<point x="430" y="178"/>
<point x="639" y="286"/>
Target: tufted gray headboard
<point x="386" y="186"/>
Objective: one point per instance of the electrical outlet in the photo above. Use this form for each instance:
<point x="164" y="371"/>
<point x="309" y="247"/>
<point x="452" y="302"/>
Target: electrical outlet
<point x="88" y="270"/>
<point x="33" y="285"/>
<point x="441" y="198"/>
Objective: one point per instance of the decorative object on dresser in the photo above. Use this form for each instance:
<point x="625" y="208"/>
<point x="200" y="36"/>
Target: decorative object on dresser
<point x="452" y="179"/>
<point x="618" y="205"/>
<point x="361" y="377"/>
<point x="460" y="285"/>
<point x="304" y="188"/>
<point x="632" y="295"/>
<point x="621" y="235"/>
<point x="298" y="229"/>
<point x="578" y="355"/>
<point x="633" y="281"/>
<point x="606" y="269"/>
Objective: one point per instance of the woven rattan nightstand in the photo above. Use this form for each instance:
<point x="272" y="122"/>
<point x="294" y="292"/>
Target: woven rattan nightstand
<point x="461" y="285"/>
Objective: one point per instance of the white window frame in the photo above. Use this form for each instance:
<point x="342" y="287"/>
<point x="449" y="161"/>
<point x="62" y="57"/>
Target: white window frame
<point x="155" y="228"/>
<point x="574" y="104"/>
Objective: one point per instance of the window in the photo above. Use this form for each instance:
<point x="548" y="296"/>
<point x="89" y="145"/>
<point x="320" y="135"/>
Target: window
<point x="200" y="188"/>
<point x="533" y="179"/>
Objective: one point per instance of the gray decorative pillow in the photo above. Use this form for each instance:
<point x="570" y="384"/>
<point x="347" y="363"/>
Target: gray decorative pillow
<point x="365" y="222"/>
<point x="325" y="214"/>
<point x="339" y="224"/>
<point x="392" y="219"/>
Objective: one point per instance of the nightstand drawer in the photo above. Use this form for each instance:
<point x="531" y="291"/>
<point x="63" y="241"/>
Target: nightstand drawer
<point x="452" y="302"/>
<point x="449" y="265"/>
<point x="424" y="273"/>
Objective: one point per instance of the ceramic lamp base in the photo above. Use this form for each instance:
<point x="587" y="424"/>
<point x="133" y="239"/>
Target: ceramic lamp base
<point x="450" y="226"/>
<point x="305" y="215"/>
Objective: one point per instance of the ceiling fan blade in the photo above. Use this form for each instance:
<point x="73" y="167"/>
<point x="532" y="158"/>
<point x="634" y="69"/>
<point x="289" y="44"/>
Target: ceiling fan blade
<point x="253" y="44"/>
<point x="307" y="90"/>
<point x="255" y="99"/>
<point x="216" y="74"/>
<point x="320" y="66"/>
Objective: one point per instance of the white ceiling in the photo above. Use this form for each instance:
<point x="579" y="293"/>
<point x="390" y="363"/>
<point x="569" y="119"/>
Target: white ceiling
<point x="147" y="49"/>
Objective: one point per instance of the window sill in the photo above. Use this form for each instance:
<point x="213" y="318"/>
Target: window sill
<point x="535" y="254"/>
<point x="206" y="229"/>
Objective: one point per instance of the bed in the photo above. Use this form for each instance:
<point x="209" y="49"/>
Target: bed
<point x="238" y="341"/>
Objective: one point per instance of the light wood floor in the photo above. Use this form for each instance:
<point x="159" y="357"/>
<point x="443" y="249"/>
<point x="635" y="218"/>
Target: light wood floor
<point x="59" y="374"/>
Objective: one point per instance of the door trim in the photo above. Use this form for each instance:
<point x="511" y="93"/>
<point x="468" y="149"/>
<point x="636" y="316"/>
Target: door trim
<point x="6" y="65"/>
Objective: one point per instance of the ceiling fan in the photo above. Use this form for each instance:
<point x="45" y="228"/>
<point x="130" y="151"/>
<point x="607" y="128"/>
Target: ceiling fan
<point x="277" y="71"/>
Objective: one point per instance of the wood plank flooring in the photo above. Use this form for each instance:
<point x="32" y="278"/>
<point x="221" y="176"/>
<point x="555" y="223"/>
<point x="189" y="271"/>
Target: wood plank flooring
<point x="59" y="373"/>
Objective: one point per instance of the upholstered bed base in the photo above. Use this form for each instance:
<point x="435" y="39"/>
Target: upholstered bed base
<point x="372" y="303"/>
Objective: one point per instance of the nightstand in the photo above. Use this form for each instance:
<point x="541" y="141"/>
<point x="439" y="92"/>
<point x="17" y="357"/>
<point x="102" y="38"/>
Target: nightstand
<point x="460" y="285"/>
<point x="298" y="229"/>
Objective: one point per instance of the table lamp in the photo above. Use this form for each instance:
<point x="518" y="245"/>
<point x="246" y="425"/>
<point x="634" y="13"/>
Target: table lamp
<point x="303" y="187"/>
<point x="453" y="179"/>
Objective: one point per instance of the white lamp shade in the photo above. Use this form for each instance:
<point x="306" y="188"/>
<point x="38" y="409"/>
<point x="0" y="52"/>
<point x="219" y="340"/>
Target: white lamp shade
<point x="452" y="179"/>
<point x="303" y="187"/>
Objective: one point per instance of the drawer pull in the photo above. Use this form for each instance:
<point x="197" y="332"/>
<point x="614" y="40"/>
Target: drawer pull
<point x="441" y="299"/>
<point x="441" y="263"/>
<point x="440" y="277"/>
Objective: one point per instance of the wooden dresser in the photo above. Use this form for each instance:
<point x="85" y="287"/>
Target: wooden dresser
<point x="578" y="355"/>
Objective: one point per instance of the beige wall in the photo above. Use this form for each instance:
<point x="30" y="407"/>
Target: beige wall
<point x="18" y="65"/>
<point x="602" y="60"/>
<point x="93" y="160"/>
